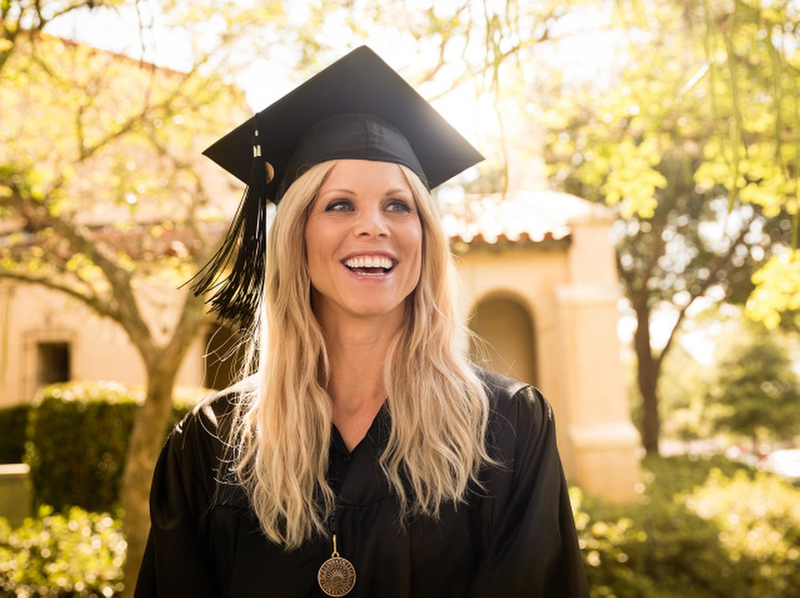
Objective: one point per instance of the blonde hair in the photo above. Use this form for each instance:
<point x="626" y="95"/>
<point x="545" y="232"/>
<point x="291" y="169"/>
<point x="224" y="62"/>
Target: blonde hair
<point x="437" y="405"/>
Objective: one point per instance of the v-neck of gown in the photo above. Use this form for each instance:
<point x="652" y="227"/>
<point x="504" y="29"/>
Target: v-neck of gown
<point x="369" y="485"/>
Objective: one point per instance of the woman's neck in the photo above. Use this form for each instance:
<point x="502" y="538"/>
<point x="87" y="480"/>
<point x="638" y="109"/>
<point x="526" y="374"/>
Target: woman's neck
<point x="357" y="357"/>
<point x="357" y="349"/>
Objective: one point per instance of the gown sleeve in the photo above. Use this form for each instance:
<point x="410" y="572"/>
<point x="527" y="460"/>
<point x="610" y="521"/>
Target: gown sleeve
<point x="176" y="562"/>
<point x="530" y="543"/>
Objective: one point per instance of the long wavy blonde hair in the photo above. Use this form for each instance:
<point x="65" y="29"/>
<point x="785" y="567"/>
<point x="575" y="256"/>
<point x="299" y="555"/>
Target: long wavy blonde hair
<point x="282" y="430"/>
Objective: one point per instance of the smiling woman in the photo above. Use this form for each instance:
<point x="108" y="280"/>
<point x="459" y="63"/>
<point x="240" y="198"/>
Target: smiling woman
<point x="363" y="242"/>
<point x="364" y="456"/>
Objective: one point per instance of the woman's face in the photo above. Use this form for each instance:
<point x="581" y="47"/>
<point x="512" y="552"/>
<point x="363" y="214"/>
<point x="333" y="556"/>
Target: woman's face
<point x="363" y="242"/>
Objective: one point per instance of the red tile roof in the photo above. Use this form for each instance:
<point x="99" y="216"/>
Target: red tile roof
<point x="521" y="218"/>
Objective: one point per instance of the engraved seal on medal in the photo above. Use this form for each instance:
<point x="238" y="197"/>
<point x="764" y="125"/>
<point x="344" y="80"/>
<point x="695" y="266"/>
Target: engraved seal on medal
<point x="336" y="576"/>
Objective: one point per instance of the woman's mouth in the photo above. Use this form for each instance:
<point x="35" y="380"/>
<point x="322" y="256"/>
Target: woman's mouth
<point x="370" y="264"/>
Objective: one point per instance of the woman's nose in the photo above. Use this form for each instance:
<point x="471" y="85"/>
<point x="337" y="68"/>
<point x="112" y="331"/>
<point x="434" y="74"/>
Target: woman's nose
<point x="371" y="223"/>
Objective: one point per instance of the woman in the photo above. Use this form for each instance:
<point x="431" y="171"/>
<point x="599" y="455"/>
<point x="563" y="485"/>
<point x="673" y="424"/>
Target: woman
<point x="365" y="457"/>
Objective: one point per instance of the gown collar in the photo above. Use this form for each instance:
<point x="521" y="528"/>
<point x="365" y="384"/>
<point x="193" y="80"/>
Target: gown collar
<point x="361" y="479"/>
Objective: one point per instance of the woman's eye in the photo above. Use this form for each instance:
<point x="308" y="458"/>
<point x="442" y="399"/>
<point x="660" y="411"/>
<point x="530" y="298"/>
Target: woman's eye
<point x="339" y="205"/>
<point x="398" y="205"/>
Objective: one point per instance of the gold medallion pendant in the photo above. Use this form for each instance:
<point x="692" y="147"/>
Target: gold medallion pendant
<point x="336" y="576"/>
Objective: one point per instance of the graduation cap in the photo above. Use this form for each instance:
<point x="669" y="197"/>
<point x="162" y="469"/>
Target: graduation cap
<point x="357" y="108"/>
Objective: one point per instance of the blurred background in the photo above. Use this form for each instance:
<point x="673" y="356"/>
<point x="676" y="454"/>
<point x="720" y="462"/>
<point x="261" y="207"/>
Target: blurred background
<point x="629" y="245"/>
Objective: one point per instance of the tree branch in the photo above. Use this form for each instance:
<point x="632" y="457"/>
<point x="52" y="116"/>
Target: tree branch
<point x="10" y="32"/>
<point x="719" y="263"/>
<point x="658" y="250"/>
<point x="192" y="315"/>
<point x="91" y="4"/>
<point x="626" y="276"/>
<point x="501" y="57"/>
<point x="200" y="195"/>
<point x="80" y="241"/>
<point x="101" y="307"/>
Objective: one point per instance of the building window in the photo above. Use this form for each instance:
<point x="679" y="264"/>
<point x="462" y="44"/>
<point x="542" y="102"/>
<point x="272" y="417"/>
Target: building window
<point x="54" y="363"/>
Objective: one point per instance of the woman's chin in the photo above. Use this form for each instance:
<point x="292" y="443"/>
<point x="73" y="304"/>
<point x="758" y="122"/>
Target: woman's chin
<point x="376" y="312"/>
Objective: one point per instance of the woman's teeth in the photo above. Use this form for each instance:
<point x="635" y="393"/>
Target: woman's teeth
<point x="369" y="264"/>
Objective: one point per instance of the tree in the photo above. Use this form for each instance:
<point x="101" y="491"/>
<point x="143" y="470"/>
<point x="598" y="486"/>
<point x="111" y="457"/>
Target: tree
<point x="644" y="146"/>
<point x="753" y="67"/>
<point x="20" y="19"/>
<point x="757" y="393"/>
<point x="105" y="189"/>
<point x="130" y="146"/>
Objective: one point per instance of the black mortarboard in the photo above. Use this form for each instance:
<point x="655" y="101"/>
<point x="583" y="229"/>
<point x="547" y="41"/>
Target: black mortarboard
<point x="357" y="108"/>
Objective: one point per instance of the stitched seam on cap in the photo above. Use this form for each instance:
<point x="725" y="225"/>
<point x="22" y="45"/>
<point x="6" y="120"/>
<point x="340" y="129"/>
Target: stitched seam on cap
<point x="371" y="138"/>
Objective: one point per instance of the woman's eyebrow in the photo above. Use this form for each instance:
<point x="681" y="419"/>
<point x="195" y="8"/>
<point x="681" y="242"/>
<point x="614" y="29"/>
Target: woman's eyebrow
<point x="397" y="190"/>
<point x="392" y="191"/>
<point x="337" y="190"/>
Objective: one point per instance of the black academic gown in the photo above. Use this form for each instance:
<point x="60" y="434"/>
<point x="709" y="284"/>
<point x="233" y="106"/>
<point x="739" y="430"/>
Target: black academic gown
<point x="516" y="537"/>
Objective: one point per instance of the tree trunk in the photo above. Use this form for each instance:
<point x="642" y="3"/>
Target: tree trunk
<point x="647" y="378"/>
<point x="149" y="432"/>
<point x="147" y="439"/>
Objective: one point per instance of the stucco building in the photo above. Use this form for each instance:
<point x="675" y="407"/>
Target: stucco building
<point x="539" y="286"/>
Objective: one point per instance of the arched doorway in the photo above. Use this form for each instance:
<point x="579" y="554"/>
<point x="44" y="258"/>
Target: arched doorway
<point x="506" y="327"/>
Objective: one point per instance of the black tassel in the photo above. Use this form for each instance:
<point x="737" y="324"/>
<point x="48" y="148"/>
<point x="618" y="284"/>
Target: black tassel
<point x="238" y="296"/>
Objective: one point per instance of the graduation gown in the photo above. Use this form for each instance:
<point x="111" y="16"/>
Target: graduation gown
<point x="516" y="537"/>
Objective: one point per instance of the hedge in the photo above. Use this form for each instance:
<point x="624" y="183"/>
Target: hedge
<point x="76" y="554"/>
<point x="723" y="533"/>
<point x="12" y="433"/>
<point x="704" y="528"/>
<point x="77" y="438"/>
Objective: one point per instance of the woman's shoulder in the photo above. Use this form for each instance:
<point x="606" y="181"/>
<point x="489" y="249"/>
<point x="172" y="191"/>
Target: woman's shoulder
<point x="205" y="431"/>
<point x="520" y="417"/>
<point x="507" y="395"/>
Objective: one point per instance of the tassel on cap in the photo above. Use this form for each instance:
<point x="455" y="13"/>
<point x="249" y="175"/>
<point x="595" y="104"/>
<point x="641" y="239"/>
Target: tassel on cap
<point x="238" y="296"/>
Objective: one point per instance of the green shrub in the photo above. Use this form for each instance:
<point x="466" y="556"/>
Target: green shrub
<point x="759" y="527"/>
<point x="667" y="476"/>
<point x="77" y="554"/>
<point x="660" y="550"/>
<point x="77" y="440"/>
<point x="12" y="433"/>
<point x="698" y="531"/>
<point x="730" y="534"/>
